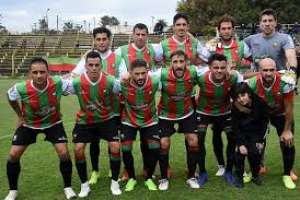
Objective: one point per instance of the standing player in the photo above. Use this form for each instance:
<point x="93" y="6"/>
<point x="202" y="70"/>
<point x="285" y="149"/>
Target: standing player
<point x="39" y="113"/>
<point x="95" y="119"/>
<point x="139" y="114"/>
<point x="176" y="106"/>
<point x="270" y="43"/>
<point x="279" y="95"/>
<point x="113" y="65"/>
<point x="181" y="40"/>
<point x="139" y="48"/>
<point x="239" y="58"/>
<point x="214" y="108"/>
<point x="237" y="52"/>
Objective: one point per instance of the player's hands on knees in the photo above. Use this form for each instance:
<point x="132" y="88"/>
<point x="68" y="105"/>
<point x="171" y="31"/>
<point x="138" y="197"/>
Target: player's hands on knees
<point x="20" y="122"/>
<point x="243" y="150"/>
<point x="287" y="137"/>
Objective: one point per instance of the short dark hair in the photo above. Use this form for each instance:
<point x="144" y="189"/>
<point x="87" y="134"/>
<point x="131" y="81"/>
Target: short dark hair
<point x="38" y="60"/>
<point x="140" y="26"/>
<point x="225" y="18"/>
<point x="138" y="63"/>
<point x="216" y="56"/>
<point x="268" y="11"/>
<point x="240" y="88"/>
<point x="178" y="52"/>
<point x="92" y="54"/>
<point x="101" y="30"/>
<point x="180" y="15"/>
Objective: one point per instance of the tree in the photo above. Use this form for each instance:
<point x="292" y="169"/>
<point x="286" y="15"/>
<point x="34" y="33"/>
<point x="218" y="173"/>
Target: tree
<point x="159" y="26"/>
<point x="204" y="14"/>
<point x="111" y="21"/>
<point x="3" y="29"/>
<point x="43" y="26"/>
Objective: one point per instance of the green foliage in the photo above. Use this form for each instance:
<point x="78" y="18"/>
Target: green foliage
<point x="206" y="12"/>
<point x="107" y="20"/>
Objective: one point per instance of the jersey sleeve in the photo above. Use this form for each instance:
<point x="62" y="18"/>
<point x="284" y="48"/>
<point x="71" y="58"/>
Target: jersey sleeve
<point x="201" y="70"/>
<point x="13" y="94"/>
<point x="116" y="86"/>
<point x="203" y="52"/>
<point x="239" y="77"/>
<point x="118" y="51"/>
<point x="247" y="41"/>
<point x="156" y="73"/>
<point x="80" y="68"/>
<point x="159" y="52"/>
<point x="122" y="68"/>
<point x="247" y="52"/>
<point x="70" y="88"/>
<point x="66" y="81"/>
<point x="288" y="43"/>
<point x="288" y="88"/>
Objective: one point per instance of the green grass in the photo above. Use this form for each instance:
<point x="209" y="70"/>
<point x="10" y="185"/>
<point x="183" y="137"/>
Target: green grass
<point x="40" y="177"/>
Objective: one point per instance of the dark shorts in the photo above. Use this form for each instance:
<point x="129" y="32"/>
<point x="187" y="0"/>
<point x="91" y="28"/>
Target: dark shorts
<point x="222" y="122"/>
<point x="186" y="125"/>
<point x="26" y="136"/>
<point x="94" y="132"/>
<point x="118" y="121"/>
<point x="128" y="133"/>
<point x="278" y="122"/>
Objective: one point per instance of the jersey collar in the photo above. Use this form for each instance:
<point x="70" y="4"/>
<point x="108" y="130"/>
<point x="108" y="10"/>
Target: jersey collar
<point x="177" y="41"/>
<point x="38" y="90"/>
<point x="211" y="80"/>
<point x="91" y="82"/>
<point x="138" y="49"/>
<point x="271" y="86"/>
<point x="105" y="55"/>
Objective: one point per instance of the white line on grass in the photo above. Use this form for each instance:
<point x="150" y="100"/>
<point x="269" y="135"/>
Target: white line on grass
<point x="5" y="136"/>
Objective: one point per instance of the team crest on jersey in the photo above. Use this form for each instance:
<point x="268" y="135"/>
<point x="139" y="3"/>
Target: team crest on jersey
<point x="275" y="45"/>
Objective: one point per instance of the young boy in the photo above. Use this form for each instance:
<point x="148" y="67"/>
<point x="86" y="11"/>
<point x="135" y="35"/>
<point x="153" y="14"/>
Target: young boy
<point x="249" y="115"/>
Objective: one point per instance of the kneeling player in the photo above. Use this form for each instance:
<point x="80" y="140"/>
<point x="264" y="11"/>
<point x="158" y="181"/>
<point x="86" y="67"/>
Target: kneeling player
<point x="40" y="98"/>
<point x="250" y="121"/>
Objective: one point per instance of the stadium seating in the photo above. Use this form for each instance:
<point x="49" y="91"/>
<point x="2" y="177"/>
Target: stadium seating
<point x="16" y="51"/>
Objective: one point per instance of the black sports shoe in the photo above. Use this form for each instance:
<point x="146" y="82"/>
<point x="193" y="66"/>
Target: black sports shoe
<point x="239" y="183"/>
<point x="257" y="180"/>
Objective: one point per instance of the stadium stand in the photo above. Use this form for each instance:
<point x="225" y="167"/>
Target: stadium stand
<point x="16" y="51"/>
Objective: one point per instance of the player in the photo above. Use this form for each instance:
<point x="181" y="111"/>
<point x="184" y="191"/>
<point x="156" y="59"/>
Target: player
<point x="39" y="113"/>
<point x="95" y="119"/>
